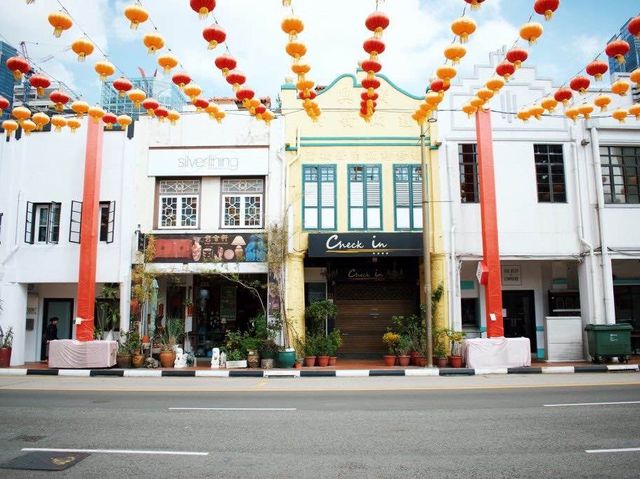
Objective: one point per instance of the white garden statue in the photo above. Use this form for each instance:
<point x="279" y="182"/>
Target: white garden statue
<point x="181" y="359"/>
<point x="215" y="358"/>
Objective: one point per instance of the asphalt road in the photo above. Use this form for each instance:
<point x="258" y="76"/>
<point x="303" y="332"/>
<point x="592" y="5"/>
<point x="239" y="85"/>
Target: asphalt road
<point x="477" y="433"/>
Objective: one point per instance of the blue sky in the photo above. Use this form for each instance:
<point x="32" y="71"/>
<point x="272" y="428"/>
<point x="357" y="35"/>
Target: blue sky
<point x="334" y="33"/>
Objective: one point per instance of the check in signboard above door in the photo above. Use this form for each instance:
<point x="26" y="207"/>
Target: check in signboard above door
<point x="339" y="245"/>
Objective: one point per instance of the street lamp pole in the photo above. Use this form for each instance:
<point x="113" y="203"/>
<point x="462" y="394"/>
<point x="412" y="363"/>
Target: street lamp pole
<point x="426" y="247"/>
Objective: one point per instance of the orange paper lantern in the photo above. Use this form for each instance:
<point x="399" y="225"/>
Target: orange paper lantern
<point x="9" y="127"/>
<point x="83" y="48"/>
<point x="136" y="15"/>
<point x="167" y="62"/>
<point x="104" y="69"/>
<point x="463" y="27"/>
<point x="60" y="22"/>
<point x="153" y="42"/>
<point x="531" y="32"/>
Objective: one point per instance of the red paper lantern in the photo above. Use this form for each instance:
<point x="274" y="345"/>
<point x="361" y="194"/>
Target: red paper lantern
<point x="474" y="3"/>
<point x="371" y="66"/>
<point x="162" y="113"/>
<point x="39" y="82"/>
<point x="226" y="63"/>
<point x="214" y="35"/>
<point x="59" y="99"/>
<point x="617" y="49"/>
<point x="563" y="95"/>
<point x="506" y="69"/>
<point x="370" y="83"/>
<point x="122" y="85"/>
<point x="150" y="105"/>
<point x="236" y="78"/>
<point x="181" y="79"/>
<point x="377" y="22"/>
<point x="203" y="7"/>
<point x="634" y="27"/>
<point x="245" y="94"/>
<point x="373" y="46"/>
<point x="439" y="86"/>
<point x="4" y="104"/>
<point x="110" y="119"/>
<point x="18" y="66"/>
<point x="546" y="7"/>
<point x="369" y="96"/>
<point x="517" y="56"/>
<point x="307" y="95"/>
<point x="200" y="103"/>
<point x="580" y="84"/>
<point x="597" y="68"/>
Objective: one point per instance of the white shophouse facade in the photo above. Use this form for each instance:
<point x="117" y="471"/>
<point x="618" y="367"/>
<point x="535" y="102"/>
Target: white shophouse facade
<point x="41" y="190"/>
<point x="557" y="213"/>
<point x="206" y="193"/>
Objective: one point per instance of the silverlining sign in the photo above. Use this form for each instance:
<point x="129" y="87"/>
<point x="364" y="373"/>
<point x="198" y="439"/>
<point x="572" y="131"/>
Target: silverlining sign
<point x="364" y="244"/>
<point x="208" y="161"/>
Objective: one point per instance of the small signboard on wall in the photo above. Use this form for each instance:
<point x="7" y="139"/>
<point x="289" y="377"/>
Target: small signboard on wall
<point x="511" y="275"/>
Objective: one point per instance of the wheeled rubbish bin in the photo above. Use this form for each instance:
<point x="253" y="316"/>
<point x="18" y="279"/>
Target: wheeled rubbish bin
<point x="609" y="340"/>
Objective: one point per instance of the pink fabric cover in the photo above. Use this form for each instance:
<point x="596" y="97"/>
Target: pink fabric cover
<point x="497" y="352"/>
<point x="72" y="354"/>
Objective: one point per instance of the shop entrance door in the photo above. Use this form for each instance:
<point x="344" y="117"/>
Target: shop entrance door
<point x="520" y="316"/>
<point x="365" y="311"/>
<point x="63" y="310"/>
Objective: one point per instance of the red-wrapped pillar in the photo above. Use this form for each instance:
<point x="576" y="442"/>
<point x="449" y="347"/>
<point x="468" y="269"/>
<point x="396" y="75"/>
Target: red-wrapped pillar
<point x="89" y="231"/>
<point x="489" y="215"/>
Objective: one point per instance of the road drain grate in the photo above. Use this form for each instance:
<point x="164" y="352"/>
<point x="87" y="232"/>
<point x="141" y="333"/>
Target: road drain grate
<point x="45" y="461"/>
<point x="24" y="438"/>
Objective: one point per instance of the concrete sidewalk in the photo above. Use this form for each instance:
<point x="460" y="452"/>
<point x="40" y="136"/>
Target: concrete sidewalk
<point x="346" y="368"/>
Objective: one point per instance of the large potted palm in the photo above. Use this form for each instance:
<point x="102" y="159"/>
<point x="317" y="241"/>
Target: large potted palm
<point x="6" y="343"/>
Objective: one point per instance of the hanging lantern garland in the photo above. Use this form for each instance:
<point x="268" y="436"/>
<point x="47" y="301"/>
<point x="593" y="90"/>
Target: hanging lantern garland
<point x="462" y="28"/>
<point x="377" y="23"/>
<point x="293" y="26"/>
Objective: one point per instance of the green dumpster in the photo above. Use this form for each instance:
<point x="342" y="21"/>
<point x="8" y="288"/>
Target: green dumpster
<point x="609" y="340"/>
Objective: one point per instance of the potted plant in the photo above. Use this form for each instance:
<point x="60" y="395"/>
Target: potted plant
<point x="456" y="338"/>
<point x="123" y="357"/>
<point x="323" y="348"/>
<point x="390" y="339"/>
<point x="108" y="311"/>
<point x="268" y="351"/>
<point x="335" y="341"/>
<point x="440" y="352"/>
<point x="403" y="348"/>
<point x="6" y="343"/>
<point x="135" y="348"/>
<point x="310" y="349"/>
<point x="236" y="359"/>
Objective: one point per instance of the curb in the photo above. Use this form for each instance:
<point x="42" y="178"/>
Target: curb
<point x="315" y="373"/>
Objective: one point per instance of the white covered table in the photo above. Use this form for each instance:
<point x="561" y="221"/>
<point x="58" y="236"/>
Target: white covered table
<point x="72" y="354"/>
<point x="497" y="352"/>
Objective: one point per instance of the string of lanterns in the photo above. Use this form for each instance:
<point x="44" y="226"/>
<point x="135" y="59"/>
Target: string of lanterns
<point x="377" y="23"/>
<point x="462" y="29"/>
<point x="578" y="86"/>
<point x="293" y="26"/>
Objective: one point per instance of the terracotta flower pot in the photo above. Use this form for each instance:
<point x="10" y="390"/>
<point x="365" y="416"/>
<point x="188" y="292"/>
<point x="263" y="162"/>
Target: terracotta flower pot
<point x="166" y="359"/>
<point x="389" y="360"/>
<point x="441" y="362"/>
<point x="309" y="361"/>
<point x="332" y="360"/>
<point x="5" y="357"/>
<point x="404" y="360"/>
<point x="455" y="361"/>
<point x="297" y="365"/>
<point x="123" y="360"/>
<point x="421" y="361"/>
<point x="323" y="361"/>
<point x="414" y="358"/>
<point x="137" y="360"/>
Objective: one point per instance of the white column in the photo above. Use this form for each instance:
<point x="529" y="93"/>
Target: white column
<point x="13" y="315"/>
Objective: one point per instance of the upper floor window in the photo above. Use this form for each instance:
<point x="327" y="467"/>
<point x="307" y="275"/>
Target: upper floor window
<point x="620" y="172"/>
<point x="365" y="203"/>
<point x="107" y="220"/>
<point x="550" y="173"/>
<point x="408" y="196"/>
<point x="242" y="203"/>
<point x="319" y="197"/>
<point x="178" y="203"/>
<point x="42" y="223"/>
<point x="468" y="161"/>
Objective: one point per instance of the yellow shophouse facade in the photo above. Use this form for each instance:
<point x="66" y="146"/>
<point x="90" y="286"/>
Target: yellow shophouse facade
<point x="354" y="211"/>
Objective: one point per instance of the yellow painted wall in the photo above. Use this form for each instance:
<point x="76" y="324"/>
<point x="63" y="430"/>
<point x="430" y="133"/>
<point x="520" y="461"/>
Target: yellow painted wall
<point x="390" y="138"/>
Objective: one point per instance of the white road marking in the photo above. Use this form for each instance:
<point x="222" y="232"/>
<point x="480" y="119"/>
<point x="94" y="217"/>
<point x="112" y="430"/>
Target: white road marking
<point x="598" y="451"/>
<point x="117" y="451"/>
<point x="616" y="403"/>
<point x="232" y="409"/>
